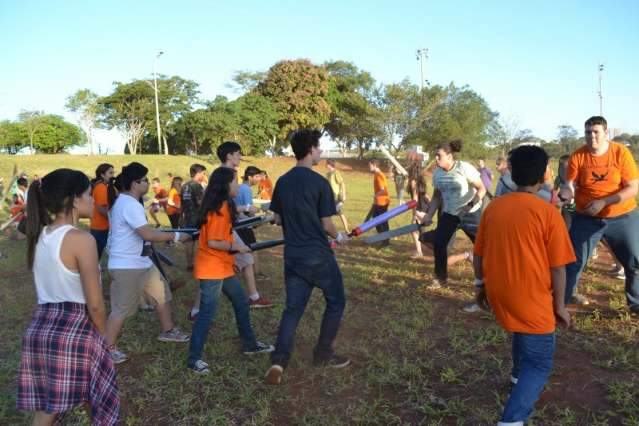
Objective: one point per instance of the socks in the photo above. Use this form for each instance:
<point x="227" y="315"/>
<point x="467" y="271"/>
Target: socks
<point x="195" y="311"/>
<point x="255" y="296"/>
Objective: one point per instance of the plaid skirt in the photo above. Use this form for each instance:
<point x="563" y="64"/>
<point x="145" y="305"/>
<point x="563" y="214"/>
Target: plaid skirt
<point x="65" y="362"/>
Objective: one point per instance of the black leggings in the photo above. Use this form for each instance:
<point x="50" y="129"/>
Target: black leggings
<point x="175" y="220"/>
<point x="447" y="225"/>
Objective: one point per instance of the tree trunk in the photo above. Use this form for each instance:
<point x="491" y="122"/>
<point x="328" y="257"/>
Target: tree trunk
<point x="166" y="145"/>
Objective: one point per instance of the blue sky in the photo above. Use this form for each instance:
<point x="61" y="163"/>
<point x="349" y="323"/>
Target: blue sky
<point x="534" y="62"/>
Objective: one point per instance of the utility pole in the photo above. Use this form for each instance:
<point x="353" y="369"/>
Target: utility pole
<point x="422" y="55"/>
<point x="157" y="107"/>
<point x="601" y="69"/>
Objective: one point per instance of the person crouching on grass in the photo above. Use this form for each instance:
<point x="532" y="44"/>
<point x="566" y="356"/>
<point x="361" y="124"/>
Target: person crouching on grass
<point x="65" y="359"/>
<point x="521" y="250"/>
<point x="214" y="268"/>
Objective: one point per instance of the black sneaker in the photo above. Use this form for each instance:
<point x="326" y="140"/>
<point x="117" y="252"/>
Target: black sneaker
<point x="334" y="361"/>
<point x="260" y="348"/>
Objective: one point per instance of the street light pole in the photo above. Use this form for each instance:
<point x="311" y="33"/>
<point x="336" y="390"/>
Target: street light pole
<point x="422" y="55"/>
<point x="157" y="107"/>
<point x="601" y="68"/>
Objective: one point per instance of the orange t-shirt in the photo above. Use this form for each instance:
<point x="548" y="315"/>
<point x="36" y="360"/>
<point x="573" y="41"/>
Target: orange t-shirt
<point x="160" y="193"/>
<point x="520" y="238"/>
<point x="597" y="177"/>
<point x="100" y="198"/>
<point x="265" y="189"/>
<point x="379" y="184"/>
<point x="212" y="264"/>
<point x="174" y="196"/>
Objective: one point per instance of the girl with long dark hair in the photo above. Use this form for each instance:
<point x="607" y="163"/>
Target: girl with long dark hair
<point x="65" y="360"/>
<point x="214" y="268"/>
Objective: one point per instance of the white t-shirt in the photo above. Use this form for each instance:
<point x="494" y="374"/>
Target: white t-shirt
<point x="455" y="186"/>
<point x="125" y="245"/>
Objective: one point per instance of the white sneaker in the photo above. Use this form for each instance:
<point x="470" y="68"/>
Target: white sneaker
<point x="174" y="335"/>
<point x="118" y="357"/>
<point x="200" y="367"/>
<point x="472" y="308"/>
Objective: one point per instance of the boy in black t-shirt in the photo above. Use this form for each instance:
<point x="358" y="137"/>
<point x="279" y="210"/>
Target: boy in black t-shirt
<point x="303" y="203"/>
<point x="191" y="195"/>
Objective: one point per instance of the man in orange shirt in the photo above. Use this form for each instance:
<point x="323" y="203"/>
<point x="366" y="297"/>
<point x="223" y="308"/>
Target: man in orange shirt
<point x="381" y="200"/>
<point x="603" y="179"/>
<point x="527" y="296"/>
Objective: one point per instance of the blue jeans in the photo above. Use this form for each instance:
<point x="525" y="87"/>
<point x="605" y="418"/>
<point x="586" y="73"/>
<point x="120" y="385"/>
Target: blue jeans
<point x="532" y="364"/>
<point x="621" y="234"/>
<point x="300" y="277"/>
<point x="101" y="238"/>
<point x="210" y="291"/>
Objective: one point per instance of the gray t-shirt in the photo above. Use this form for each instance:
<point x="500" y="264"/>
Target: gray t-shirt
<point x="455" y="186"/>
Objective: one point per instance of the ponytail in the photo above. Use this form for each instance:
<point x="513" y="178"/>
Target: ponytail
<point x="37" y="218"/>
<point x="53" y="194"/>
<point x="112" y="192"/>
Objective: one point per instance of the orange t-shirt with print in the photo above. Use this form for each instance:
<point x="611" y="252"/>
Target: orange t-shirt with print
<point x="520" y="238"/>
<point x="210" y="263"/>
<point x="100" y="198"/>
<point x="597" y="177"/>
<point x="379" y="184"/>
<point x="174" y="196"/>
<point x="265" y="189"/>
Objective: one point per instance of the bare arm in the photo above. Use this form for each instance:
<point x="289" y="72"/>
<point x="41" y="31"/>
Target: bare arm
<point x="86" y="255"/>
<point x="627" y="192"/>
<point x="558" y="279"/>
<point x="103" y="210"/>
<point x="153" y="235"/>
<point x="329" y="227"/>
<point x="227" y="246"/>
<point x="481" y="189"/>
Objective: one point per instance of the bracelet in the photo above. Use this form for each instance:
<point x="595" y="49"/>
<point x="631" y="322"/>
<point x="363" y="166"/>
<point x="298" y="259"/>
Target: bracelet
<point x="479" y="282"/>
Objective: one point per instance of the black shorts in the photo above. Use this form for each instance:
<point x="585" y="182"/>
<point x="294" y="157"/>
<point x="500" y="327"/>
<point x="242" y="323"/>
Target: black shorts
<point x="246" y="235"/>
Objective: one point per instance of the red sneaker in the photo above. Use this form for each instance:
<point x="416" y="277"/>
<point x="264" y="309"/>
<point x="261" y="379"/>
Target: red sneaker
<point x="262" y="302"/>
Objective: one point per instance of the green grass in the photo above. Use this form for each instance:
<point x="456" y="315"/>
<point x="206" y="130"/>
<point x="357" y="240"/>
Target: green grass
<point x="417" y="358"/>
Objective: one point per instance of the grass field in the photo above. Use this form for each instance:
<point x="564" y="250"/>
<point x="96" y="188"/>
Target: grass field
<point x="417" y="358"/>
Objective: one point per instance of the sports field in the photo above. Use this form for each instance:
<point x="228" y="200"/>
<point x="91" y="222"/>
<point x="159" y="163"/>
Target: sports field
<point x="417" y="357"/>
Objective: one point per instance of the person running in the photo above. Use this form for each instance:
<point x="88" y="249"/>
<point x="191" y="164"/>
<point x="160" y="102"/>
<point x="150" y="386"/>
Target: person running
<point x="160" y="198"/>
<point x="304" y="203"/>
<point x="381" y="200"/>
<point x="132" y="271"/>
<point x="527" y="297"/>
<point x="65" y="360"/>
<point x="17" y="210"/>
<point x="338" y="186"/>
<point x="191" y="196"/>
<point x="174" y="202"/>
<point x="103" y="198"/>
<point x="603" y="180"/>
<point x="214" y="269"/>
<point x="459" y="193"/>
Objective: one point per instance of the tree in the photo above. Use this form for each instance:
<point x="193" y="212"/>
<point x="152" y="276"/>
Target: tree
<point x="502" y="131"/>
<point x="13" y="136"/>
<point x="246" y="81"/>
<point x="567" y="138"/>
<point x="256" y="118"/>
<point x="297" y="89"/>
<point x="354" y="119"/>
<point x="131" y="109"/>
<point x="84" y="103"/>
<point x="32" y="123"/>
<point x="55" y="135"/>
<point x="447" y="113"/>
